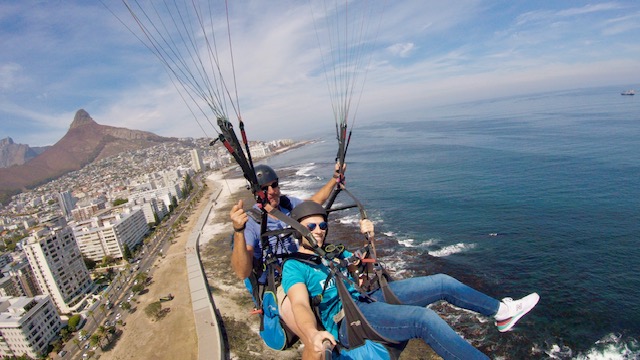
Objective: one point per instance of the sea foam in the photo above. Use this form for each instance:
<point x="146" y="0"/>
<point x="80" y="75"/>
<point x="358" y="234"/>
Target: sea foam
<point x="451" y="249"/>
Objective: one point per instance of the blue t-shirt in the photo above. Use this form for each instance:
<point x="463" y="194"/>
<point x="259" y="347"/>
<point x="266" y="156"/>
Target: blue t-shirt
<point x="314" y="276"/>
<point x="286" y="245"/>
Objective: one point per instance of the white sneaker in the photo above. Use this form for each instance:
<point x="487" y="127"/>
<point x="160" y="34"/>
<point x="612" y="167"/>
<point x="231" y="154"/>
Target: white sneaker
<point x="517" y="309"/>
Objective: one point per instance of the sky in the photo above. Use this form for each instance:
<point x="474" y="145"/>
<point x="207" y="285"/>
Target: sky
<point x="61" y="56"/>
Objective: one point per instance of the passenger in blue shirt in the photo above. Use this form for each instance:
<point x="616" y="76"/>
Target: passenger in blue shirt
<point x="302" y="281"/>
<point x="247" y="246"/>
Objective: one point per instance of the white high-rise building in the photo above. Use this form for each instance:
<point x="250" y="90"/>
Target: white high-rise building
<point x="27" y="326"/>
<point x="196" y="160"/>
<point x="108" y="233"/>
<point x="150" y="209"/>
<point x="58" y="267"/>
<point x="66" y="202"/>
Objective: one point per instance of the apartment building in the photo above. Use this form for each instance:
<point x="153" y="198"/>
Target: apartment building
<point x="27" y="326"/>
<point x="66" y="202"/>
<point x="18" y="280"/>
<point x="196" y="160"/>
<point x="162" y="196"/>
<point x="107" y="233"/>
<point x="82" y="213"/>
<point x="151" y="209"/>
<point x="58" y="267"/>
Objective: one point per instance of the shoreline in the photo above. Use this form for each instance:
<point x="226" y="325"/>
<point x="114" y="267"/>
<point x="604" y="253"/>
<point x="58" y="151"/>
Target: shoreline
<point x="175" y="335"/>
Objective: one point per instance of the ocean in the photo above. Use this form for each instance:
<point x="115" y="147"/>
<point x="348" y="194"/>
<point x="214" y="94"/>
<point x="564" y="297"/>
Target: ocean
<point x="511" y="196"/>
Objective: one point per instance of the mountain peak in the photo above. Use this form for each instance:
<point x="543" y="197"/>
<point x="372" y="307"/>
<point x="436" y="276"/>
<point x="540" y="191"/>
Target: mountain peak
<point x="82" y="118"/>
<point x="6" y="141"/>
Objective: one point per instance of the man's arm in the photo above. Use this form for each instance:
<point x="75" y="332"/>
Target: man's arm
<point x="242" y="254"/>
<point x="305" y="318"/>
<point x="323" y="194"/>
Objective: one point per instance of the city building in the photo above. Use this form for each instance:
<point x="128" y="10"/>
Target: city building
<point x="107" y="233"/>
<point x="18" y="280"/>
<point x="196" y="160"/>
<point x="66" y="202"/>
<point x="162" y="196"/>
<point x="151" y="209"/>
<point x="81" y="213"/>
<point x="5" y="259"/>
<point x="27" y="326"/>
<point x="58" y="267"/>
<point x="8" y="287"/>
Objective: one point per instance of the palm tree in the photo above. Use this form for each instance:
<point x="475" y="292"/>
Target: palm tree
<point x="103" y="333"/>
<point x="90" y="312"/>
<point x="95" y="339"/>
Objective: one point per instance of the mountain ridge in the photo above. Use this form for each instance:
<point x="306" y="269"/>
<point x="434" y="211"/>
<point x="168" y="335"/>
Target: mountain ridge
<point x="15" y="154"/>
<point x="86" y="141"/>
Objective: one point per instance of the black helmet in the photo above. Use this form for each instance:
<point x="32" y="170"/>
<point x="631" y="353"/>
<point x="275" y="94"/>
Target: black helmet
<point x="306" y="209"/>
<point x="265" y="174"/>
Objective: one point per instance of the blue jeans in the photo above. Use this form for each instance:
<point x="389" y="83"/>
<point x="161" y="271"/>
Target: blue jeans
<point x="413" y="320"/>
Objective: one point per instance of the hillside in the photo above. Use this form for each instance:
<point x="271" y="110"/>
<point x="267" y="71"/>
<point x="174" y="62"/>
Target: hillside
<point x="85" y="142"/>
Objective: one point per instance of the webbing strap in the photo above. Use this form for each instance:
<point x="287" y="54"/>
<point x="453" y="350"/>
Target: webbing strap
<point x="358" y="328"/>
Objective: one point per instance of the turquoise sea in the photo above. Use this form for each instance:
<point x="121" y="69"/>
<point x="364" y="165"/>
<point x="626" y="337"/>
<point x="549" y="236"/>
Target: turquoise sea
<point x="513" y="195"/>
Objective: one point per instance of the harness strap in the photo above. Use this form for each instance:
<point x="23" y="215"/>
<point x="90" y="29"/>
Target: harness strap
<point x="358" y="328"/>
<point x="299" y="228"/>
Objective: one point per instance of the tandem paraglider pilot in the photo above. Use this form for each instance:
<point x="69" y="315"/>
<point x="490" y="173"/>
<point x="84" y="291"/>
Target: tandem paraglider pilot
<point x="252" y="258"/>
<point x="305" y="280"/>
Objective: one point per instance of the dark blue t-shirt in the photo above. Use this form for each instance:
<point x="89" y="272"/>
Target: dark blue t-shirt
<point x="286" y="245"/>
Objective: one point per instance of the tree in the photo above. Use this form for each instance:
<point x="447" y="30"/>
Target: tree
<point x="126" y="306"/>
<point x="119" y="201"/>
<point x="108" y="259"/>
<point x="74" y="321"/>
<point x="57" y="345"/>
<point x="188" y="185"/>
<point x="153" y="310"/>
<point x="90" y="313"/>
<point x="126" y="252"/>
<point x="137" y="288"/>
<point x="96" y="339"/>
<point x="174" y="202"/>
<point x="142" y="277"/>
<point x="64" y="333"/>
<point x="89" y="263"/>
<point x="103" y="333"/>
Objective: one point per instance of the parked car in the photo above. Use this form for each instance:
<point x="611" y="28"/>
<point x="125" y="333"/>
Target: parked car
<point x="62" y="353"/>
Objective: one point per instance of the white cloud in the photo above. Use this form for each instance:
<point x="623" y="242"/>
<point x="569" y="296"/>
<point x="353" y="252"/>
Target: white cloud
<point x="10" y="76"/>
<point x="402" y="50"/>
<point x="427" y="51"/>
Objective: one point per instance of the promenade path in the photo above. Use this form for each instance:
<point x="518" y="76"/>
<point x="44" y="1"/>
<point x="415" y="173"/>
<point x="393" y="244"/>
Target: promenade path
<point x="210" y="341"/>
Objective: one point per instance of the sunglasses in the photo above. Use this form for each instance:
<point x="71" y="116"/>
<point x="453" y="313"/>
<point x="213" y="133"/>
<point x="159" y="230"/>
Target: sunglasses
<point x="323" y="226"/>
<point x="272" y="185"/>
